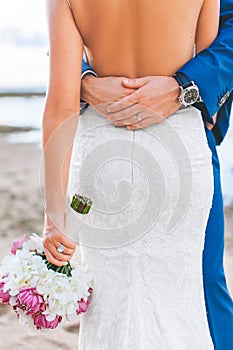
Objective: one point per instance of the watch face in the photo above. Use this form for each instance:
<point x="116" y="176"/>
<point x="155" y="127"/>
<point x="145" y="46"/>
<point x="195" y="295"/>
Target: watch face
<point x="190" y="95"/>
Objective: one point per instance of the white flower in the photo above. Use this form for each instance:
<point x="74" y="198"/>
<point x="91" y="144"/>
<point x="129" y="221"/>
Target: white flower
<point x="34" y="243"/>
<point x="60" y="292"/>
<point x="21" y="269"/>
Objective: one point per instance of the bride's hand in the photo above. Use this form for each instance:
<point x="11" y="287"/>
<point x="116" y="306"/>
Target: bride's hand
<point x="52" y="239"/>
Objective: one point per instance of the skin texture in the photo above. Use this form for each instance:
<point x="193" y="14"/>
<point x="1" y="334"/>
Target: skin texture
<point x="134" y="46"/>
<point x="165" y="91"/>
<point x="101" y="93"/>
<point x="59" y="123"/>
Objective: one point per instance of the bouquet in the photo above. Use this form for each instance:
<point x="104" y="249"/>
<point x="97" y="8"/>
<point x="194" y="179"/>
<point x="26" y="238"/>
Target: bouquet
<point x="41" y="294"/>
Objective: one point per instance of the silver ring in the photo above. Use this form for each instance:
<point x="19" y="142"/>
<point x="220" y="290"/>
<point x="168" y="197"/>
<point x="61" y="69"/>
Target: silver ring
<point x="138" y="117"/>
<point x="60" y="248"/>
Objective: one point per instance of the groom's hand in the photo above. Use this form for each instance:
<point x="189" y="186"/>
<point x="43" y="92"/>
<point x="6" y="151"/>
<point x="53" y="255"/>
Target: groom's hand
<point x="154" y="99"/>
<point x="119" y="99"/>
<point x="102" y="92"/>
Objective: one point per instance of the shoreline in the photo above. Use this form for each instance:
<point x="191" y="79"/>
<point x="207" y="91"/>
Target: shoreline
<point x="8" y="129"/>
<point x="39" y="92"/>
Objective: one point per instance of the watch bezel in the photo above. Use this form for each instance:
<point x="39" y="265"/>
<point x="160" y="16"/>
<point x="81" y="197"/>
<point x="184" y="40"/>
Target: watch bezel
<point x="184" y="91"/>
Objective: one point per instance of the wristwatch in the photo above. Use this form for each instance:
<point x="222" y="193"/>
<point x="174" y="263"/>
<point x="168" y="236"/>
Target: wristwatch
<point x="189" y="92"/>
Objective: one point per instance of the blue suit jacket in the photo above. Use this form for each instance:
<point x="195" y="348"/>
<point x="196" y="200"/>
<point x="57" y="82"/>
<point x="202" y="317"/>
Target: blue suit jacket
<point x="212" y="71"/>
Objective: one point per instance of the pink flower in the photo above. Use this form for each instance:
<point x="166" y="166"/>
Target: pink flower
<point x="4" y="296"/>
<point x="41" y="322"/>
<point x="30" y="301"/>
<point x="19" y="244"/>
<point x="82" y="306"/>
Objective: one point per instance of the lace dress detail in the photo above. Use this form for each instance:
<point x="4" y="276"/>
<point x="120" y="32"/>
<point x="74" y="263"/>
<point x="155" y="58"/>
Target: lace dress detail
<point x="144" y="235"/>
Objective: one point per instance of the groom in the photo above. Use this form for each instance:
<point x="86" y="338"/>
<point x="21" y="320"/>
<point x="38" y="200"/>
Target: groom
<point x="212" y="72"/>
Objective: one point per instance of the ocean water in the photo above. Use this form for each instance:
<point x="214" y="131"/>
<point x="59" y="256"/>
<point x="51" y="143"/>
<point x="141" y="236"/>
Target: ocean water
<point x="27" y="111"/>
<point x="22" y="112"/>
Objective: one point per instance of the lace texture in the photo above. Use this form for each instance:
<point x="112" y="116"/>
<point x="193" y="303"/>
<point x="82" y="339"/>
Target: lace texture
<point x="144" y="235"/>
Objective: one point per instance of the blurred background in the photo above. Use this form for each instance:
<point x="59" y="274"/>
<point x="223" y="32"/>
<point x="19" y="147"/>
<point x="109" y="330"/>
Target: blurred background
<point x="23" y="76"/>
<point x="23" y="65"/>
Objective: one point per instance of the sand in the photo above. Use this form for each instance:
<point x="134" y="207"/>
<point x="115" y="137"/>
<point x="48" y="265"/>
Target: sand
<point x="21" y="212"/>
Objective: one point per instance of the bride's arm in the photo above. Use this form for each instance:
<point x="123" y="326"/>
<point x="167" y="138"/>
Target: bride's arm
<point x="59" y="123"/>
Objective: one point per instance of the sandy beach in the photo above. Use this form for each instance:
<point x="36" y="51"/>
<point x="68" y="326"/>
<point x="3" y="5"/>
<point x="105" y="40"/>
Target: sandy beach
<point x="21" y="212"/>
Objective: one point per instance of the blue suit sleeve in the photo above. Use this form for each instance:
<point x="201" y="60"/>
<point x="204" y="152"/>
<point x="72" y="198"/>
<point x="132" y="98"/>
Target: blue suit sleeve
<point x="85" y="67"/>
<point x="212" y="69"/>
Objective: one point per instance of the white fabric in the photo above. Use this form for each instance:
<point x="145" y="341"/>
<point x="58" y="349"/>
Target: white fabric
<point x="146" y="258"/>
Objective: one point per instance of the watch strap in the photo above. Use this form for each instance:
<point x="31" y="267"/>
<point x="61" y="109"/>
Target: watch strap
<point x="182" y="79"/>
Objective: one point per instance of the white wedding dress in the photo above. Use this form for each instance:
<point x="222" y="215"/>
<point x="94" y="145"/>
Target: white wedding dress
<point x="144" y="235"/>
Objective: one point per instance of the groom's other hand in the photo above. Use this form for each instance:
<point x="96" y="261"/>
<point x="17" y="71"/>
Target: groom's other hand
<point x="154" y="99"/>
<point x="102" y="92"/>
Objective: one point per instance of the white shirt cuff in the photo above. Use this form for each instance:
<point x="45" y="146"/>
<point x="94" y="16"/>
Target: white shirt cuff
<point x="88" y="71"/>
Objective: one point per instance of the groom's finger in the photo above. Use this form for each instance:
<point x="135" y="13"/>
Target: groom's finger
<point x="133" y="119"/>
<point x="145" y="123"/>
<point x="124" y="114"/>
<point x="124" y="103"/>
<point x="134" y="83"/>
<point x="147" y="120"/>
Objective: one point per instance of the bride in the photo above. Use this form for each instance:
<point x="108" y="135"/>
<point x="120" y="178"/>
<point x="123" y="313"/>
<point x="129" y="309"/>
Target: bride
<point x="148" y="177"/>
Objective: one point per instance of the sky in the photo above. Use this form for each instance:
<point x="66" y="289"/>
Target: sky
<point x="25" y="15"/>
<point x="23" y="44"/>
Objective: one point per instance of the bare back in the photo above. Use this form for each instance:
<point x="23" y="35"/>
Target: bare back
<point x="135" y="38"/>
